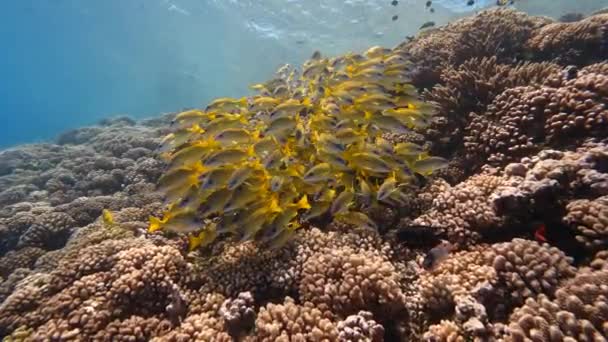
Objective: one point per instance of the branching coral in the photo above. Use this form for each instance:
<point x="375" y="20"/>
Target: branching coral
<point x="496" y="32"/>
<point x="579" y="42"/>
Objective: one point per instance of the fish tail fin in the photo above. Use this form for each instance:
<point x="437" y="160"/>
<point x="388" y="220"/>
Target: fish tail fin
<point x="303" y="203"/>
<point x="194" y="241"/>
<point x="155" y="224"/>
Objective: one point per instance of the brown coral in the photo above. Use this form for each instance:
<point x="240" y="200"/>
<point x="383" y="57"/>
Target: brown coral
<point x="589" y="218"/>
<point x="292" y="322"/>
<point x="359" y="328"/>
<point x="522" y="119"/>
<point x="465" y="209"/>
<point x="578" y="313"/>
<point x="525" y="269"/>
<point x="344" y="282"/>
<point x="495" y="32"/>
<point x="579" y="42"/>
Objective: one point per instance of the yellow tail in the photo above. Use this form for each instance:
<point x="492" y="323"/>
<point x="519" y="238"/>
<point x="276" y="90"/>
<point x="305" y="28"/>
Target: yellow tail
<point x="155" y="224"/>
<point x="194" y="241"/>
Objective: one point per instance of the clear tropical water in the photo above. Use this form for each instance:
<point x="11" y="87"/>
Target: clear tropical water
<point x="68" y="63"/>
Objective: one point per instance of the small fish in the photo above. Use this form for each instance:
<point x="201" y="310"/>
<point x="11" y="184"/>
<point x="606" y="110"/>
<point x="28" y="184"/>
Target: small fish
<point x="470" y="2"/>
<point x="226" y="104"/>
<point x="233" y="136"/>
<point x="395" y="17"/>
<point x="241" y="197"/>
<point x="202" y="239"/>
<point x="540" y="234"/>
<point x="429" y="165"/>
<point x="436" y="255"/>
<point x="427" y="25"/>
<point x="369" y="162"/>
<point x="317" y="209"/>
<point x="357" y="219"/>
<point x="228" y="156"/>
<point x="284" y="236"/>
<point x="387" y="188"/>
<point x="394" y="2"/>
<point x="156" y="224"/>
<point x="216" y="178"/>
<point x="432" y="10"/>
<point x="276" y="183"/>
<point x="390" y="124"/>
<point x="408" y="149"/>
<point x="108" y="217"/>
<point x="429" y="3"/>
<point x="319" y="173"/>
<point x="348" y="136"/>
<point x="183" y="222"/>
<point x="215" y="202"/>
<point x="239" y="176"/>
<point x="342" y="202"/>
<point x="191" y="199"/>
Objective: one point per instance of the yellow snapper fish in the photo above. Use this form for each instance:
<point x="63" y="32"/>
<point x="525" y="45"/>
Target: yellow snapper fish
<point x="387" y="188"/>
<point x="409" y="149"/>
<point x="192" y="154"/>
<point x="289" y="107"/>
<point x="264" y="103"/>
<point x="241" y="197"/>
<point x="183" y="222"/>
<point x="188" y="119"/>
<point x="281" y="125"/>
<point x="390" y="124"/>
<point x="357" y="219"/>
<point x="317" y="209"/>
<point x="222" y="123"/>
<point x="284" y="236"/>
<point x="369" y="162"/>
<point x="377" y="51"/>
<point x="428" y="165"/>
<point x="318" y="173"/>
<point x="342" y="202"/>
<point x="349" y="136"/>
<point x="178" y="177"/>
<point x="226" y="104"/>
<point x="108" y="218"/>
<point x="216" y="178"/>
<point x="176" y="221"/>
<point x="240" y="175"/>
<point x="202" y="239"/>
<point x="235" y="136"/>
<point x="228" y="156"/>
<point x="215" y="203"/>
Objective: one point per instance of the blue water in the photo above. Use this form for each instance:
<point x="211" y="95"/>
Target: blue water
<point x="69" y="63"/>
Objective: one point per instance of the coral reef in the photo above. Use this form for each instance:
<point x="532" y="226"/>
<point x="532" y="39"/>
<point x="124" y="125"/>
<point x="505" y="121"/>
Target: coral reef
<point x="522" y="206"/>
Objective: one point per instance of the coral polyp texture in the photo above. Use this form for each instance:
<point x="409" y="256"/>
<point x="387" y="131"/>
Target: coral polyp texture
<point x="454" y="188"/>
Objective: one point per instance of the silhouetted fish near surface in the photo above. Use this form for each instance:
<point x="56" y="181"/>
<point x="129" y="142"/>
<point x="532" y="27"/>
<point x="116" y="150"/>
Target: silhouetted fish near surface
<point x="427" y="25"/>
<point x="429" y="3"/>
<point x="395" y="17"/>
<point x="394" y="2"/>
<point x="470" y="2"/>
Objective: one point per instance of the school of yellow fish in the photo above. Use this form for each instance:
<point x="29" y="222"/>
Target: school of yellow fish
<point x="309" y="145"/>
